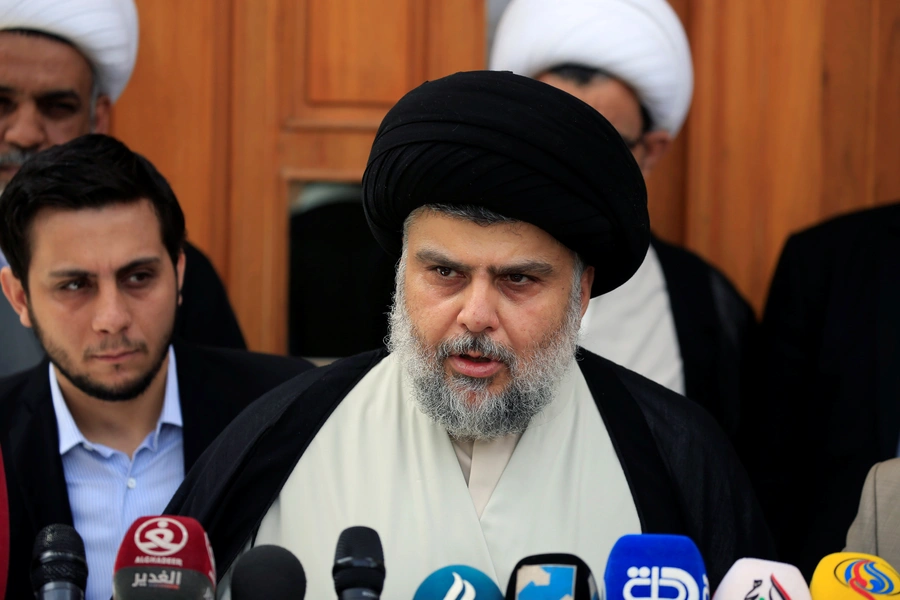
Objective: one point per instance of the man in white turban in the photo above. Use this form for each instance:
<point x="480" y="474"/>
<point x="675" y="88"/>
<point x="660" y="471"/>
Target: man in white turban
<point x="677" y="321"/>
<point x="63" y="64"/>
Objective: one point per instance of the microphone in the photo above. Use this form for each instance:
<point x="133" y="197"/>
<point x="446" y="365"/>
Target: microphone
<point x="655" y="566"/>
<point x="759" y="579"/>
<point x="358" y="564"/>
<point x="552" y="577"/>
<point x="58" y="568"/>
<point x="853" y="575"/>
<point x="458" y="582"/>
<point x="164" y="557"/>
<point x="270" y="572"/>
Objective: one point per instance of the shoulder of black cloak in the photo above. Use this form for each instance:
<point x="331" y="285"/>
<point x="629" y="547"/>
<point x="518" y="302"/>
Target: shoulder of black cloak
<point x="684" y="475"/>
<point x="205" y="316"/>
<point x="236" y="480"/>
<point x="716" y="329"/>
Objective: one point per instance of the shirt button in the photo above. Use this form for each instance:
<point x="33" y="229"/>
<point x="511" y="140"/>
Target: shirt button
<point x="131" y="483"/>
<point x="88" y="446"/>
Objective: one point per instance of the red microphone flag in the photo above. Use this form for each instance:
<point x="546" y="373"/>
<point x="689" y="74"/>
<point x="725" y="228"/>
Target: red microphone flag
<point x="164" y="553"/>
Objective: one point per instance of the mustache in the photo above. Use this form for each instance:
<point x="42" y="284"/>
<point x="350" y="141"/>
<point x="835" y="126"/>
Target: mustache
<point x="110" y="345"/>
<point x="468" y="343"/>
<point x="15" y="157"/>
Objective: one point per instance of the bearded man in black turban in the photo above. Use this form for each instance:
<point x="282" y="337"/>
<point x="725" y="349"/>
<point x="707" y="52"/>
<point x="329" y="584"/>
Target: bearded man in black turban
<point x="483" y="434"/>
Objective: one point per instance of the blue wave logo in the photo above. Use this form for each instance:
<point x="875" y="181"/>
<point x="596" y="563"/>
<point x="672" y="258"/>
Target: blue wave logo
<point x="458" y="582"/>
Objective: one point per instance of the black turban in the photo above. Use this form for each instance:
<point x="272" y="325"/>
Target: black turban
<point x="520" y="148"/>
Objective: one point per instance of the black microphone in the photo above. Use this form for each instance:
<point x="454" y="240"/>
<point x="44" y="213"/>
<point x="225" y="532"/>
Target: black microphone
<point x="270" y="572"/>
<point x="358" y="564"/>
<point x="552" y="576"/>
<point x="58" y="568"/>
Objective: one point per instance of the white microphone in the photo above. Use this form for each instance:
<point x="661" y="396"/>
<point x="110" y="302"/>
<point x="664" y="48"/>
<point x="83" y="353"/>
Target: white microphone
<point x="763" y="580"/>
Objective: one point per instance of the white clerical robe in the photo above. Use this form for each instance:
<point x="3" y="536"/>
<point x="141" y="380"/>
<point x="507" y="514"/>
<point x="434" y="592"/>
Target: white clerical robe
<point x="379" y="462"/>
<point x="633" y="326"/>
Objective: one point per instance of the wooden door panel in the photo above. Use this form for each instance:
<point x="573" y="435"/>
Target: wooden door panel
<point x="356" y="53"/>
<point x="312" y="81"/>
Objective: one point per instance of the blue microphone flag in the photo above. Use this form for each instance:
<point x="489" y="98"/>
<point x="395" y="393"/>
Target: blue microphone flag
<point x="655" y="567"/>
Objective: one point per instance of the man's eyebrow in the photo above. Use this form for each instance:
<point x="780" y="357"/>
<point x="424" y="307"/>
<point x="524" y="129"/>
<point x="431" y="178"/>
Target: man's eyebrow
<point x="135" y="264"/>
<point x="52" y="95"/>
<point x="526" y="267"/>
<point x="138" y="263"/>
<point x="5" y="89"/>
<point x="428" y="255"/>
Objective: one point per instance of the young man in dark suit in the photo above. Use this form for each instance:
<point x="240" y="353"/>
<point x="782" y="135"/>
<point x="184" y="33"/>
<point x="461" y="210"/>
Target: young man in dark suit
<point x="104" y="429"/>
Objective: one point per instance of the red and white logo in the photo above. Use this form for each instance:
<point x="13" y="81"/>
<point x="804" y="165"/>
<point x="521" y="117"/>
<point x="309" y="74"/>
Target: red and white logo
<point x="161" y="536"/>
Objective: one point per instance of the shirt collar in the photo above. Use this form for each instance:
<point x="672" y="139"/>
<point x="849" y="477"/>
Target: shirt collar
<point x="69" y="434"/>
<point x="3" y="261"/>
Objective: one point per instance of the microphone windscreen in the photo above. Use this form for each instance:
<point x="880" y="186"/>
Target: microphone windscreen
<point x="655" y="566"/>
<point x="763" y="580"/>
<point x="358" y="561"/>
<point x="552" y="577"/>
<point x="270" y="572"/>
<point x="164" y="557"/>
<point x="854" y="575"/>
<point x="458" y="582"/>
<point x="58" y="557"/>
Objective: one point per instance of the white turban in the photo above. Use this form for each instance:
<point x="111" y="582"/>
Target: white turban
<point x="640" y="42"/>
<point x="105" y="31"/>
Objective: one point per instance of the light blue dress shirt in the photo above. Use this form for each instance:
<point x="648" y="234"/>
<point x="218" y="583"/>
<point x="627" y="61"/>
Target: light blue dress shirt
<point x="108" y="490"/>
<point x="3" y="262"/>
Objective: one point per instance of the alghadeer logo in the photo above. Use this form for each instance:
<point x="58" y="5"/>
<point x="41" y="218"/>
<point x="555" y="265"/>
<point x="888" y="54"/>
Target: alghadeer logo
<point x="871" y="579"/>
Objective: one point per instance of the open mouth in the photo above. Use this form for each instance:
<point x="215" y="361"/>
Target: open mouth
<point x="475" y="365"/>
<point x="475" y="358"/>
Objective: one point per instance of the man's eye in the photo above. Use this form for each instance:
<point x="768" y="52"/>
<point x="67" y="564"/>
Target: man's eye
<point x="59" y="110"/>
<point x="139" y="278"/>
<point x="444" y="271"/>
<point x="519" y="278"/>
<point x="73" y="286"/>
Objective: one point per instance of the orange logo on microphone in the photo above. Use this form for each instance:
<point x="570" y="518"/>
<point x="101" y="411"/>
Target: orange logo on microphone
<point x="871" y="579"/>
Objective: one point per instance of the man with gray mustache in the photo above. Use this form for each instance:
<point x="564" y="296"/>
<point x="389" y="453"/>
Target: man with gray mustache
<point x="63" y="64"/>
<point x="484" y="434"/>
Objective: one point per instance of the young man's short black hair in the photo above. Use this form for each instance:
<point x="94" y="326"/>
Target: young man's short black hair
<point x="91" y="171"/>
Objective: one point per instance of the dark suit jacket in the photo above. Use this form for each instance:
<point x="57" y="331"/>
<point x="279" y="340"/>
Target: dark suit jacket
<point x="214" y="385"/>
<point x="716" y="331"/>
<point x="830" y="408"/>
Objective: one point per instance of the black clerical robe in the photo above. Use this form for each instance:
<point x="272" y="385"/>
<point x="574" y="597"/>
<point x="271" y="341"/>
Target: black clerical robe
<point x="683" y="475"/>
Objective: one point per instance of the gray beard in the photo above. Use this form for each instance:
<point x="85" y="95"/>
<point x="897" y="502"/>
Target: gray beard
<point x="463" y="405"/>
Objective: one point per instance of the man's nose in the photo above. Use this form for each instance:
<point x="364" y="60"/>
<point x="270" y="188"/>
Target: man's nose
<point x="112" y="314"/>
<point x="479" y="310"/>
<point x="25" y="128"/>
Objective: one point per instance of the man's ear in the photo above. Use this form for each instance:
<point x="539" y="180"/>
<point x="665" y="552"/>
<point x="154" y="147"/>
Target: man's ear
<point x="102" y="115"/>
<point x="656" y="144"/>
<point x="587" y="280"/>
<point x="16" y="294"/>
<point x="179" y="273"/>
